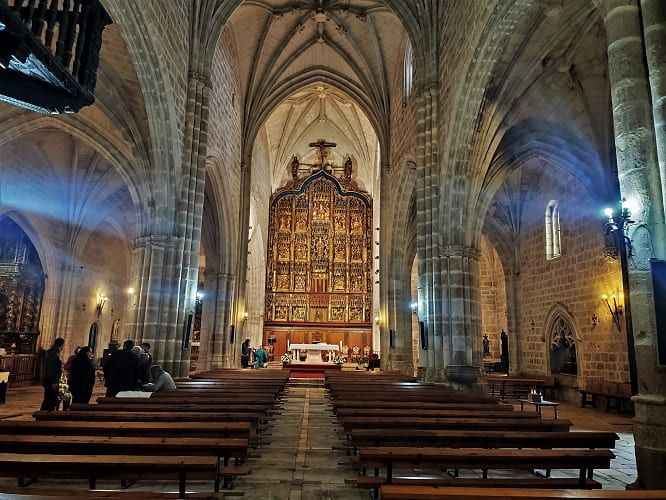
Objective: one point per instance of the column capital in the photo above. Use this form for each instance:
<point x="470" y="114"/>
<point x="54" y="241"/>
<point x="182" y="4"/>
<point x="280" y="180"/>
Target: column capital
<point x="156" y="240"/>
<point x="460" y="251"/>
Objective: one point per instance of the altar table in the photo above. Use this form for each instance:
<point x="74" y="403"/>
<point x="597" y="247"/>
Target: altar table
<point x="312" y="356"/>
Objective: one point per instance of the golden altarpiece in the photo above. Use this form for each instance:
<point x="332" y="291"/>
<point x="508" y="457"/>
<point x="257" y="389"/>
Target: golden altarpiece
<point x="319" y="263"/>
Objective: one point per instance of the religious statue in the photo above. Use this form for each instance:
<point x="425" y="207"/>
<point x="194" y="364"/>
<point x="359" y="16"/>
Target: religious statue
<point x="294" y="167"/>
<point x="504" y="353"/>
<point x="486" y="346"/>
<point x="348" y="169"/>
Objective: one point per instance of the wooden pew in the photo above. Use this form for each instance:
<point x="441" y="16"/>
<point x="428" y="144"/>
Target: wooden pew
<point x="481" y="439"/>
<point x="22" y="493"/>
<point x="222" y="448"/>
<point x="391" y="492"/>
<point x="122" y="428"/>
<point x="477" y="458"/>
<point x="239" y="400"/>
<point x="419" y="412"/>
<point x="515" y="386"/>
<point x="529" y="424"/>
<point x="472" y="407"/>
<point x="148" y="416"/>
<point x="122" y="467"/>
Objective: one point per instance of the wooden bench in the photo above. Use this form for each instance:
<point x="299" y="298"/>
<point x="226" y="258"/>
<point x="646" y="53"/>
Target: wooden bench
<point x="481" y="438"/>
<point x="221" y="448"/>
<point x="477" y="458"/>
<point x="122" y="428"/>
<point x="23" y="493"/>
<point x="376" y="482"/>
<point x="614" y="393"/>
<point x="445" y="493"/>
<point x="516" y="387"/>
<point x="240" y="401"/>
<point x="471" y="407"/>
<point x="121" y="467"/>
<point x="147" y="416"/>
<point x="526" y="424"/>
<point x="419" y="412"/>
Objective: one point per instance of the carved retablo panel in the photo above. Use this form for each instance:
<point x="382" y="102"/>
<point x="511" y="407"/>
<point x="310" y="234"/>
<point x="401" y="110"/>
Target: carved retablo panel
<point x="319" y="253"/>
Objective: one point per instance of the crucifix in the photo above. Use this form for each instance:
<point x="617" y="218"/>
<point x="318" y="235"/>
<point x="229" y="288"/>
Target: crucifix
<point x="324" y="148"/>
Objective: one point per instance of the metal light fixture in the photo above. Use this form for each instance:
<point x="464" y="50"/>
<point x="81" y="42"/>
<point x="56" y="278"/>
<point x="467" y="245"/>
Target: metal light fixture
<point x="615" y="310"/>
<point x="615" y="232"/>
<point x="414" y="306"/>
<point x="101" y="301"/>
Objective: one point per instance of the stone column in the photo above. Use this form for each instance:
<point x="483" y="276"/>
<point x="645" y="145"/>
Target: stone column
<point x="461" y="313"/>
<point x="434" y="357"/>
<point x="654" y="29"/>
<point x="513" y="321"/>
<point x="237" y="314"/>
<point x="640" y="185"/>
<point x="208" y="316"/>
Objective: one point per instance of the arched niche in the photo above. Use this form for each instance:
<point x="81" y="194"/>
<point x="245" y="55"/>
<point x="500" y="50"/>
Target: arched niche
<point x="22" y="282"/>
<point x="563" y="352"/>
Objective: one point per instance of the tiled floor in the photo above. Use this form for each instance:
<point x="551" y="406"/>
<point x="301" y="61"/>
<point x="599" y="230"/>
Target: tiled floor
<point x="300" y="456"/>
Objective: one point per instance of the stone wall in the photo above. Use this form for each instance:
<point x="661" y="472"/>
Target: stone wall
<point x="572" y="283"/>
<point x="493" y="296"/>
<point x="225" y="121"/>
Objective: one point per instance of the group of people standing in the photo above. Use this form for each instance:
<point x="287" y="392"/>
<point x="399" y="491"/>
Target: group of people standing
<point x="80" y="371"/>
<point x="128" y="369"/>
<point x="260" y="356"/>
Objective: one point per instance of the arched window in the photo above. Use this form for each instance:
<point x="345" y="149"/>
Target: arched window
<point x="553" y="249"/>
<point x="562" y="347"/>
<point x="408" y="72"/>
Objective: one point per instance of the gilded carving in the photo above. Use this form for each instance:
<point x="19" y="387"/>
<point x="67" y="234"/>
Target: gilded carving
<point x="311" y="253"/>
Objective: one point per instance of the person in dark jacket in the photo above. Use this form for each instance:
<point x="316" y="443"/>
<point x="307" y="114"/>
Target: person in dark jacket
<point x="121" y="371"/>
<point x="82" y="379"/>
<point x="145" y="362"/>
<point x="52" y="372"/>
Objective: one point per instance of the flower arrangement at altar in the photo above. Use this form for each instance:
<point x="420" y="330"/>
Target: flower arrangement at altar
<point x="338" y="360"/>
<point x="63" y="392"/>
<point x="286" y="358"/>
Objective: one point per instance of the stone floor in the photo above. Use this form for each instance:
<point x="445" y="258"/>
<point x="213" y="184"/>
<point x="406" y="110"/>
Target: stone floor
<point x="300" y="456"/>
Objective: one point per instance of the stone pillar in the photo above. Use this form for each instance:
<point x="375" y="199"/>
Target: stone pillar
<point x="513" y="321"/>
<point x="435" y="356"/>
<point x="237" y="314"/>
<point x="654" y="29"/>
<point x="640" y="185"/>
<point x="148" y="280"/>
<point x="461" y="312"/>
<point x="221" y="347"/>
<point x="208" y="317"/>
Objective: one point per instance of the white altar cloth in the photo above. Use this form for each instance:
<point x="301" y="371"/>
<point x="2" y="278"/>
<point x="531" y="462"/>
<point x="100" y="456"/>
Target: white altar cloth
<point x="314" y="347"/>
<point x="311" y="349"/>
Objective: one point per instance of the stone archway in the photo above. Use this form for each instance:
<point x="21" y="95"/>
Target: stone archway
<point x="563" y="352"/>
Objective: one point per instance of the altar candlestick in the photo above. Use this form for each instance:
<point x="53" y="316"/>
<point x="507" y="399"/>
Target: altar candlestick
<point x="288" y="344"/>
<point x="341" y="345"/>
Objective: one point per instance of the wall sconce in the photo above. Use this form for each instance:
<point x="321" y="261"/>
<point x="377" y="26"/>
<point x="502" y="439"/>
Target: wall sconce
<point x="376" y="319"/>
<point x="414" y="306"/>
<point x="101" y="301"/>
<point x="245" y="316"/>
<point x="615" y="311"/>
<point x="615" y="232"/>
<point x="130" y="291"/>
<point x="200" y="296"/>
<point x="594" y="320"/>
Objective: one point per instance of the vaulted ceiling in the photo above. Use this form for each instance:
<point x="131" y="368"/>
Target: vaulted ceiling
<point x="318" y="69"/>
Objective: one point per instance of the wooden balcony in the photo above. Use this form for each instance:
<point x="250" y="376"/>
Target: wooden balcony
<point x="49" y="53"/>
